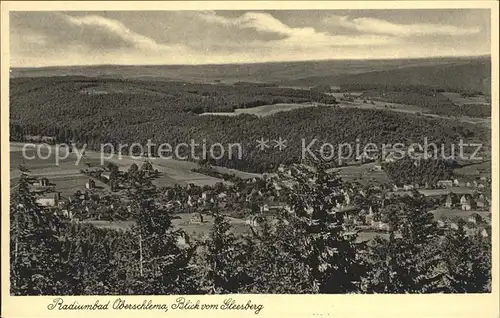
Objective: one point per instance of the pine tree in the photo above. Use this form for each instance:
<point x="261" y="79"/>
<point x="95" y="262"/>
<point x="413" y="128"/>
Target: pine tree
<point x="409" y="262"/>
<point x="320" y="239"/>
<point x="163" y="254"/>
<point x="224" y="259"/>
<point x="273" y="266"/>
<point x="34" y="245"/>
<point x="467" y="261"/>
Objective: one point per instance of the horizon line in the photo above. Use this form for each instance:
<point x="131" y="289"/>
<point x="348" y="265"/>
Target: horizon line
<point x="488" y="55"/>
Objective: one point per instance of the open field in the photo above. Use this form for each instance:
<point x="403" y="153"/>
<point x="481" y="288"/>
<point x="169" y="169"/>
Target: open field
<point x="265" y="110"/>
<point x="202" y="230"/>
<point x="412" y="109"/>
<point x="479" y="169"/>
<point x="66" y="175"/>
<point x="451" y="213"/>
<point x="238" y="226"/>
<point x="458" y="99"/>
<point x="68" y="185"/>
<point x="180" y="221"/>
<point x="268" y="110"/>
<point x="237" y="173"/>
<point x="362" y="174"/>
<point x="174" y="171"/>
<point x="368" y="236"/>
<point x="440" y="192"/>
<point x="68" y="178"/>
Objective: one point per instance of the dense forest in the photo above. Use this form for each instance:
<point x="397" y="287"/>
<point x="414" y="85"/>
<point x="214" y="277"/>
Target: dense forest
<point x="421" y="172"/>
<point x="159" y="95"/>
<point x="428" y="98"/>
<point x="116" y="111"/>
<point x="308" y="249"/>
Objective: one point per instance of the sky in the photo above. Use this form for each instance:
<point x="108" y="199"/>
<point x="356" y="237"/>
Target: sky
<point x="218" y="37"/>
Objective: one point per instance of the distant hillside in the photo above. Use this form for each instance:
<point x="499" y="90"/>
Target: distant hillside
<point x="464" y="75"/>
<point x="286" y="72"/>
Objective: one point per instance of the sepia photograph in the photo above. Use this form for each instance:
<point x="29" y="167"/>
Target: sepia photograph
<point x="248" y="151"/>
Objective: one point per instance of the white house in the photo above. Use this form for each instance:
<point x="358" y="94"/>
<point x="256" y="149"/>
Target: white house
<point x="465" y="203"/>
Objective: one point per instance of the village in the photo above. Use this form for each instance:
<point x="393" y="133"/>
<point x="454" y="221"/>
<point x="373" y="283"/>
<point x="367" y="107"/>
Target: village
<point x="108" y="191"/>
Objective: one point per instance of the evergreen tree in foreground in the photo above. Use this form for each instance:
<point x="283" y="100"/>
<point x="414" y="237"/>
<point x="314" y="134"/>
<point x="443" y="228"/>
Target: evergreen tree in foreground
<point x="224" y="260"/>
<point x="33" y="245"/>
<point x="162" y="253"/>
<point x="467" y="261"/>
<point x="319" y="238"/>
<point x="409" y="261"/>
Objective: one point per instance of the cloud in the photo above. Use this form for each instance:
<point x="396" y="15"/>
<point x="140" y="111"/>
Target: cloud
<point x="292" y="37"/>
<point x="264" y="22"/>
<point x="196" y="37"/>
<point x="115" y="27"/>
<point x="378" y="26"/>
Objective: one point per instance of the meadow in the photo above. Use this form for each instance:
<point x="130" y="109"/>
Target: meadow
<point x="67" y="176"/>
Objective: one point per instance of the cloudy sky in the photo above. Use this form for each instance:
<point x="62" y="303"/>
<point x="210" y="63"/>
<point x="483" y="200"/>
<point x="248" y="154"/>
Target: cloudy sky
<point x="204" y="37"/>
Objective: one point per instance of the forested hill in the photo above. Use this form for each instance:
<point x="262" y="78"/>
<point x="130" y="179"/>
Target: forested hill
<point x="282" y="72"/>
<point x="127" y="112"/>
<point x="460" y="76"/>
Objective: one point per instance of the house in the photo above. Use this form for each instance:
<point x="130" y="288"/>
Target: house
<point x="44" y="182"/>
<point x="377" y="168"/>
<point x="62" y="202"/>
<point x="453" y="225"/>
<point x="475" y="218"/>
<point x="190" y="201"/>
<point x="347" y="199"/>
<point x="481" y="202"/>
<point x="90" y="184"/>
<point x="106" y="175"/>
<point x="442" y="223"/>
<point x="196" y="218"/>
<point x="252" y="221"/>
<point x="445" y="183"/>
<point x="449" y="202"/>
<point x="50" y="200"/>
<point x="47" y="202"/>
<point x="486" y="232"/>
<point x="383" y="226"/>
<point x="468" y="185"/>
<point x="456" y="183"/>
<point x="369" y="216"/>
<point x="465" y="202"/>
<point x="170" y="205"/>
<point x="205" y="195"/>
<point x="390" y="158"/>
<point x="408" y="187"/>
<point x="272" y="207"/>
<point x="67" y="214"/>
